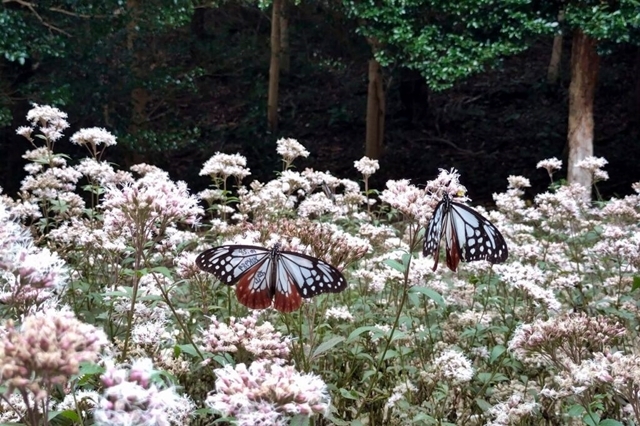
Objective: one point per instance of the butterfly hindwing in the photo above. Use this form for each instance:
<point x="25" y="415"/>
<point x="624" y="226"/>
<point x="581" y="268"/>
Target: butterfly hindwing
<point x="254" y="289"/>
<point x="287" y="297"/>
<point x="452" y="241"/>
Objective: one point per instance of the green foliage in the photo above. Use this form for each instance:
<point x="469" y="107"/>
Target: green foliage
<point x="617" y="22"/>
<point x="83" y="48"/>
<point x="23" y="36"/>
<point x="448" y="40"/>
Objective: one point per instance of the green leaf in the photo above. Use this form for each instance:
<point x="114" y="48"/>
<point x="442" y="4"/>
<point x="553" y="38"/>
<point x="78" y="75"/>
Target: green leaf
<point x="225" y="420"/>
<point x="394" y="264"/>
<point x="406" y="259"/>
<point x="90" y="369"/>
<point x="162" y="270"/>
<point x="484" y="405"/>
<point x="358" y="331"/>
<point x="426" y="419"/>
<point x="496" y="352"/>
<point x="636" y="283"/>
<point x="390" y="355"/>
<point x="430" y="293"/>
<point x="610" y="422"/>
<point x="484" y="377"/>
<point x="300" y="420"/>
<point x="575" y="410"/>
<point x="349" y="394"/>
<point x="188" y="349"/>
<point x="70" y="415"/>
<point x="326" y="345"/>
<point x="591" y="418"/>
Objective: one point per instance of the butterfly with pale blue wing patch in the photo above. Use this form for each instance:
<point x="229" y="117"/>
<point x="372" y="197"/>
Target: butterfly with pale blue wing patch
<point x="264" y="275"/>
<point x="467" y="234"/>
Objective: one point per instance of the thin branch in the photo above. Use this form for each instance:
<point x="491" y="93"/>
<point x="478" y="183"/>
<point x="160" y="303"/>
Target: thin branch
<point x="32" y="8"/>
<point x="77" y="15"/>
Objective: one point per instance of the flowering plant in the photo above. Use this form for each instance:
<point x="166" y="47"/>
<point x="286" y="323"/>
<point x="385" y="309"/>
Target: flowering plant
<point x="107" y="320"/>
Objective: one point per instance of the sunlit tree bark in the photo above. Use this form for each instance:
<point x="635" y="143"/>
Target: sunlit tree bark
<point x="584" y="73"/>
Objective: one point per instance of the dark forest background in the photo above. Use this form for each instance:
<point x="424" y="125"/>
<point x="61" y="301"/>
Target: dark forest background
<point x="178" y="81"/>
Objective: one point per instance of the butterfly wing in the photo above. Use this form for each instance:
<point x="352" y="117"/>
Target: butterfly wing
<point x="476" y="237"/>
<point x="307" y="275"/>
<point x="250" y="267"/>
<point x="452" y="241"/>
<point x="434" y="232"/>
<point x="287" y="297"/>
<point x="468" y="235"/>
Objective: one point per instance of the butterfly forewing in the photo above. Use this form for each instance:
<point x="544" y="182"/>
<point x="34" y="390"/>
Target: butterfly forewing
<point x="434" y="231"/>
<point x="312" y="276"/>
<point x="228" y="263"/>
<point x="482" y="240"/>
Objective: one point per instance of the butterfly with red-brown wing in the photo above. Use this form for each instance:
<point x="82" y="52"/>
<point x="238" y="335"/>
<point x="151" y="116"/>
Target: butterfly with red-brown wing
<point x="263" y="276"/>
<point x="468" y="235"/>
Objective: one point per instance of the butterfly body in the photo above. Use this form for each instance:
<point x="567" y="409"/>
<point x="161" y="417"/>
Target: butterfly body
<point x="263" y="276"/>
<point x="468" y="235"/>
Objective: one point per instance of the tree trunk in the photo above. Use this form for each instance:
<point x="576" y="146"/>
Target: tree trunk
<point x="553" y="72"/>
<point x="375" y="112"/>
<point x="274" y="68"/>
<point x="584" y="74"/>
<point x="635" y="115"/>
<point x="285" y="56"/>
<point x="139" y="96"/>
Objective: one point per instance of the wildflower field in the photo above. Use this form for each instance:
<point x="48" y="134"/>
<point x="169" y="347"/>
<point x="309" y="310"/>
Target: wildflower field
<point x="108" y="321"/>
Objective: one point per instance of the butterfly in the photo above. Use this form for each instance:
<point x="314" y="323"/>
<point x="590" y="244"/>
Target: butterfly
<point x="327" y="191"/>
<point x="264" y="275"/>
<point x="468" y="235"/>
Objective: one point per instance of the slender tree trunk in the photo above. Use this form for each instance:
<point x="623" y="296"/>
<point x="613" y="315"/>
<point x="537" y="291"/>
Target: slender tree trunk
<point x="285" y="56"/>
<point x="584" y="73"/>
<point x="274" y="68"/>
<point x="635" y="115"/>
<point x="553" y="72"/>
<point x="139" y="96"/>
<point x="375" y="112"/>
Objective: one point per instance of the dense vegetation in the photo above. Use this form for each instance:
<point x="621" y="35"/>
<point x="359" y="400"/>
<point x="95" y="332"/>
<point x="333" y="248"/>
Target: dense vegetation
<point x="109" y="321"/>
<point x="177" y="82"/>
<point x="179" y="137"/>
